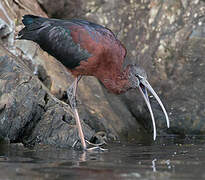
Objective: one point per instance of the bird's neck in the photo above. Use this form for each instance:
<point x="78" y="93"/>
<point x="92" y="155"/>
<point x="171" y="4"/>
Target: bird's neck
<point x="117" y="81"/>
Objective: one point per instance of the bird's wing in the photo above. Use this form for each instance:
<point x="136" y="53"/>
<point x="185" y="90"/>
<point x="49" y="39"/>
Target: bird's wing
<point x="99" y="40"/>
<point x="104" y="32"/>
<point x="70" y="41"/>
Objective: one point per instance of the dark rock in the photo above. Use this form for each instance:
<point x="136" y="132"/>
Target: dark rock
<point x="28" y="112"/>
<point x="64" y="9"/>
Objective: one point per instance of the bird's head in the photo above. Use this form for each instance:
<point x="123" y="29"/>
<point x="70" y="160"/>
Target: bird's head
<point x="138" y="79"/>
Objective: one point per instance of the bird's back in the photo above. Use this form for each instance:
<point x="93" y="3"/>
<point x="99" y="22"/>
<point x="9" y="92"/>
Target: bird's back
<point x="73" y="41"/>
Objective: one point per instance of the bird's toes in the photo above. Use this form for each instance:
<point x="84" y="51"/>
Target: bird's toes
<point x="97" y="141"/>
<point x="93" y="147"/>
<point x="96" y="149"/>
<point x="75" y="143"/>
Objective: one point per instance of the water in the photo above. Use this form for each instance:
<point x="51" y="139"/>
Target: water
<point x="167" y="158"/>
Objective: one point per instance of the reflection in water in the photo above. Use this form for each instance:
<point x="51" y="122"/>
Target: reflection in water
<point x="153" y="165"/>
<point x="167" y="158"/>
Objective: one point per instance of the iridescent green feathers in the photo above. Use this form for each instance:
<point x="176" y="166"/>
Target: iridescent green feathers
<point x="54" y="37"/>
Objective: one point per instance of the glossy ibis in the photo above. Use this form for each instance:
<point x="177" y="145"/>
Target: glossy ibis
<point x="86" y="48"/>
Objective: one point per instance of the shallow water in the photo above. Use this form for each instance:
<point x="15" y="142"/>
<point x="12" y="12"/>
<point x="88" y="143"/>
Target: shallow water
<point x="167" y="158"/>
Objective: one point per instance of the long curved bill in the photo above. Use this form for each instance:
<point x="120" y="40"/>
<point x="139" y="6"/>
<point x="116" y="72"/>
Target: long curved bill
<point x="143" y="87"/>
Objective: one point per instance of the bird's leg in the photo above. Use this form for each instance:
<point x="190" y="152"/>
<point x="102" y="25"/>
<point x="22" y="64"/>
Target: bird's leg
<point x="71" y="93"/>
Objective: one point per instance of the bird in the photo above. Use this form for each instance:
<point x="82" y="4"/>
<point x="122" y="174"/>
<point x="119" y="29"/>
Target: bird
<point x="89" y="49"/>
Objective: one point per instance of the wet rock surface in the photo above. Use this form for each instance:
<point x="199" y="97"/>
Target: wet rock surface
<point x="166" y="38"/>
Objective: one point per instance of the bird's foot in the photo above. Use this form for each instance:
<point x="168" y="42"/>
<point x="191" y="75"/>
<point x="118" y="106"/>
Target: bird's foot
<point x="96" y="147"/>
<point x="98" y="140"/>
